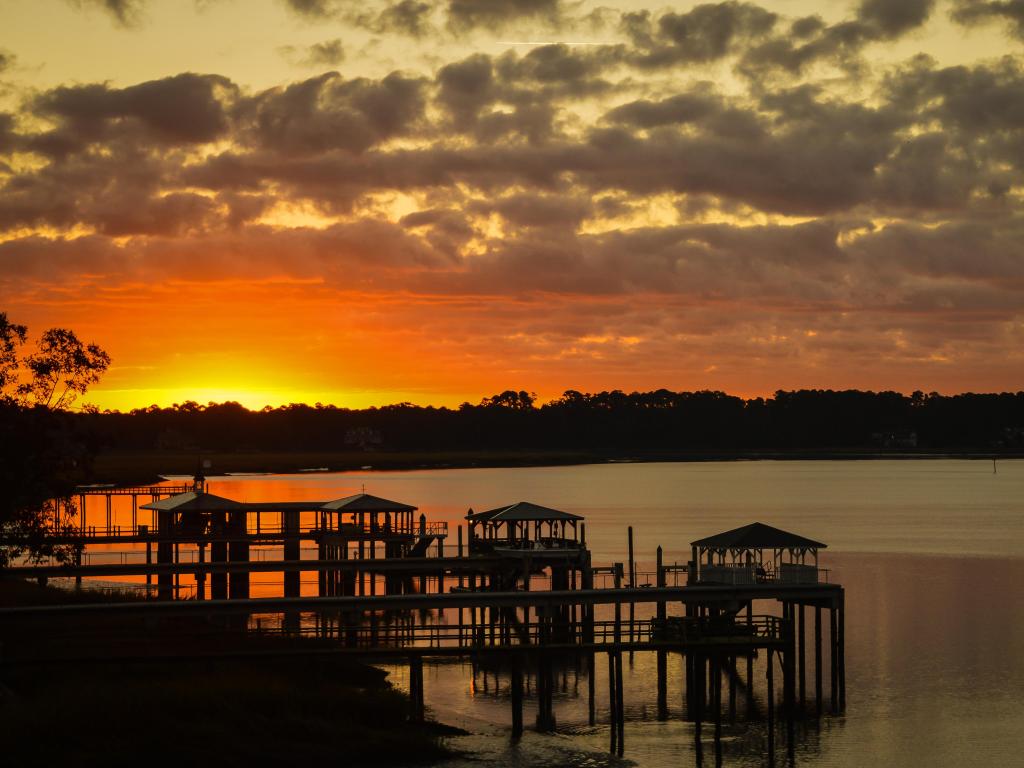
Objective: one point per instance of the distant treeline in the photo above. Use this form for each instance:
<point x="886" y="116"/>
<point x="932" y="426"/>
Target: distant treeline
<point x="608" y="423"/>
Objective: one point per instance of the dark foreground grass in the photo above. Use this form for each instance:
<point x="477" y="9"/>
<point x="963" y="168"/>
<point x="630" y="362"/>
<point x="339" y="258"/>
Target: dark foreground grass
<point x="190" y="698"/>
<point x="171" y="715"/>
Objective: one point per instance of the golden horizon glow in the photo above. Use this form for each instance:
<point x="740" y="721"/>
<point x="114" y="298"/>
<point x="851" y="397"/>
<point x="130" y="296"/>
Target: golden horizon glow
<point x="299" y="202"/>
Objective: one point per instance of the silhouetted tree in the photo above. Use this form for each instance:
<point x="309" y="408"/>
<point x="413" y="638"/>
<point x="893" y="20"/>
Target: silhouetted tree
<point x="44" y="450"/>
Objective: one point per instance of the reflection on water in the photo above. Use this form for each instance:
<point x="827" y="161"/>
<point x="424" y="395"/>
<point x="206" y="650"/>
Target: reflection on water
<point x="930" y="553"/>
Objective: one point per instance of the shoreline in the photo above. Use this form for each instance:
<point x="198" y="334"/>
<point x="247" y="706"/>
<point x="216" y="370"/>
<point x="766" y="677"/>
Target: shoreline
<point x="124" y="468"/>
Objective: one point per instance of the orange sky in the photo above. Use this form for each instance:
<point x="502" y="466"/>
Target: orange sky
<point x="305" y="203"/>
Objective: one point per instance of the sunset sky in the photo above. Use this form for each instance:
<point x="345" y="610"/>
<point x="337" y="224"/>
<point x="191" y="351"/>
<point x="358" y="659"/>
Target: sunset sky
<point x="361" y="203"/>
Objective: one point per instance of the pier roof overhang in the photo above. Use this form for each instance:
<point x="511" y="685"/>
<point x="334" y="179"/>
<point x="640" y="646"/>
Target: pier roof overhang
<point x="522" y="511"/>
<point x="364" y="502"/>
<point x="194" y="502"/>
<point x="757" y="536"/>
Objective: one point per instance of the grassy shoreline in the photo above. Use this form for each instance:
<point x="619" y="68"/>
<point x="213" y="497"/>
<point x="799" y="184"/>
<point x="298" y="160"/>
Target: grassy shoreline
<point x="143" y="467"/>
<point x="189" y="696"/>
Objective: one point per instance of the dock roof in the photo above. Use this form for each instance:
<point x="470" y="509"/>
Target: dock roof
<point x="757" y="536"/>
<point x="364" y="502"/>
<point x="194" y="502"/>
<point x="522" y="511"/>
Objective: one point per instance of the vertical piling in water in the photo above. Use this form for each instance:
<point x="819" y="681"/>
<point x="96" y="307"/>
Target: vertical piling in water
<point x="416" y="689"/>
<point x="238" y="552"/>
<point x="750" y="661"/>
<point x="697" y="701"/>
<point x="732" y="689"/>
<point x="218" y="554"/>
<point x="290" y="534"/>
<point x="164" y="553"/>
<point x="517" y="697"/>
<point x="620" y="707"/>
<point x="591" y="688"/>
<point x="817" y="661"/>
<point x="834" y="659"/>
<point x="613" y="701"/>
<point x="842" y="651"/>
<point x="771" y="707"/>
<point x="662" y="656"/>
<point x="440" y="572"/>
<point x="789" y="681"/>
<point x="632" y="583"/>
<point x="716" y="703"/>
<point x="802" y="659"/>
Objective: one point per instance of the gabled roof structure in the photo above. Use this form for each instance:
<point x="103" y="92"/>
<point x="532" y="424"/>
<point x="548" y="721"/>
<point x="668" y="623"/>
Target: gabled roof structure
<point x="522" y="511"/>
<point x="364" y="502"/>
<point x="194" y="502"/>
<point x="757" y="536"/>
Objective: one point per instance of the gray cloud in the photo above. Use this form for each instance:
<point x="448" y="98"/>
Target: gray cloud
<point x="182" y="109"/>
<point x="329" y="53"/>
<point x="706" y="33"/>
<point x="126" y="13"/>
<point x="464" y="15"/>
<point x="407" y="17"/>
<point x="809" y="40"/>
<point x="329" y="112"/>
<point x="973" y="12"/>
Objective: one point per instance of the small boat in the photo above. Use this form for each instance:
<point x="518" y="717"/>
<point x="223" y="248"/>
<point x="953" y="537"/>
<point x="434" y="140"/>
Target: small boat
<point x="314" y="469"/>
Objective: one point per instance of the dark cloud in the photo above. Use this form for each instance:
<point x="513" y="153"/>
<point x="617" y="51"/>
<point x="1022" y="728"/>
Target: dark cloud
<point x="892" y="18"/>
<point x="408" y="17"/>
<point x="809" y="40"/>
<point x="126" y="13"/>
<point x="973" y="12"/>
<point x="706" y="33"/>
<point x="465" y="88"/>
<point x="7" y="60"/>
<point x="313" y="9"/>
<point x="674" y="110"/>
<point x="183" y="109"/>
<point x="329" y="112"/>
<point x="981" y="100"/>
<point x="329" y="53"/>
<point x="464" y="15"/>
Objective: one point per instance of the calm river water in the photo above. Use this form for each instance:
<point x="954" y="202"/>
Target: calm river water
<point x="931" y="554"/>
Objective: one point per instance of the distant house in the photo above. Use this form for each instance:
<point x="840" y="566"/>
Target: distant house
<point x="898" y="439"/>
<point x="364" y="438"/>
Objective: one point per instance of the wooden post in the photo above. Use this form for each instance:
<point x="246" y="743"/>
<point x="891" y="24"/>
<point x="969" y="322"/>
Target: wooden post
<point x="165" y="553"/>
<point x="290" y="534"/>
<point x="632" y="583"/>
<point x="591" y="688"/>
<point x="716" y="703"/>
<point x="238" y="552"/>
<point x="750" y="661"/>
<point x="416" y="688"/>
<point x="817" y="660"/>
<point x="802" y="659"/>
<point x="842" y="651"/>
<point x="697" y="699"/>
<point x="771" y="709"/>
<point x="732" y="689"/>
<point x="620" y="707"/>
<point x="201" y="574"/>
<point x="662" y="656"/>
<point x="517" y="698"/>
<point x="789" y="686"/>
<point x="612" y="704"/>
<point x="218" y="554"/>
<point x="834" y="658"/>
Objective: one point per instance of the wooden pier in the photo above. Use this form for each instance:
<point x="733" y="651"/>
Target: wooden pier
<point x="378" y="565"/>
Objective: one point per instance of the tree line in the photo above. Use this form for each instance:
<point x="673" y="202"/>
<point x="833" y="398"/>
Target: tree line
<point x="607" y="423"/>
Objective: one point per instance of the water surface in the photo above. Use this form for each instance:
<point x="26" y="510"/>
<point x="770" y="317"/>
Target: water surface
<point x="930" y="554"/>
